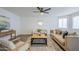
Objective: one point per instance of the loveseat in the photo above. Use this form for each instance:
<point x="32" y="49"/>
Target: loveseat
<point x="18" y="44"/>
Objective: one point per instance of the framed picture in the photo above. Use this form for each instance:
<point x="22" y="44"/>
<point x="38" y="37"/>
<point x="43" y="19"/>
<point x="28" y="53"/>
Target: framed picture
<point x="4" y="23"/>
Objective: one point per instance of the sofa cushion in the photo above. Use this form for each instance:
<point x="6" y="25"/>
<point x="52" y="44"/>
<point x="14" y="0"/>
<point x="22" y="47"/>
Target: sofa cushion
<point x="7" y="44"/>
<point x="57" y="31"/>
<point x="51" y="31"/>
<point x="19" y="44"/>
<point x="59" y="38"/>
<point x="72" y="33"/>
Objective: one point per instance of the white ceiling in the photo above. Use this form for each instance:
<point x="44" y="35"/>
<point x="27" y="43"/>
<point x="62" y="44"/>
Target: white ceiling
<point x="28" y="11"/>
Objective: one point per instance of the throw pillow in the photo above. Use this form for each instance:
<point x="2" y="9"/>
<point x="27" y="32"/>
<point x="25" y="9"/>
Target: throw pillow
<point x="65" y="34"/>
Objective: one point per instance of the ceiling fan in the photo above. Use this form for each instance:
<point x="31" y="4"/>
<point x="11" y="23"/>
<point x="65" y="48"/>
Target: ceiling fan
<point x="42" y="10"/>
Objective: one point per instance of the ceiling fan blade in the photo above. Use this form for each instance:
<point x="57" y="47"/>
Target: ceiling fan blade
<point x="46" y="12"/>
<point x="47" y="9"/>
<point x="38" y="8"/>
<point x="41" y="10"/>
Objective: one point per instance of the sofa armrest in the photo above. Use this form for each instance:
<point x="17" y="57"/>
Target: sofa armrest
<point x="72" y="43"/>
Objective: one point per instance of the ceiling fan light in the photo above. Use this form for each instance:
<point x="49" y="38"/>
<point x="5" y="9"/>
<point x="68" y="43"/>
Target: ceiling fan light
<point x="42" y="13"/>
<point x="40" y="23"/>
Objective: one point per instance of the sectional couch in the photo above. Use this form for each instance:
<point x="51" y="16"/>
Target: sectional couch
<point x="68" y="43"/>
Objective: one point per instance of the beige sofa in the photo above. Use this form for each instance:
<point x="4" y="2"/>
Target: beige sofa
<point x="67" y="43"/>
<point x="18" y="44"/>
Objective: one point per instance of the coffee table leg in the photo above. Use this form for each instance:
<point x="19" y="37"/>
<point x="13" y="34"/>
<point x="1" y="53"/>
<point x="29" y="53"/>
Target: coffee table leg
<point x="46" y="41"/>
<point x="31" y="41"/>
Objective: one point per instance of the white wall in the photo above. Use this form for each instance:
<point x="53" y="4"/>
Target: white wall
<point x="30" y="24"/>
<point x="14" y="20"/>
<point x="25" y="25"/>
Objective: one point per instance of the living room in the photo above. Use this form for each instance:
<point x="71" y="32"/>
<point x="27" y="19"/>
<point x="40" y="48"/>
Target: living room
<point x="27" y="20"/>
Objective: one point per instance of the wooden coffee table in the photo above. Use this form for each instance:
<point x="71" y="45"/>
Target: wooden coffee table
<point x="39" y="37"/>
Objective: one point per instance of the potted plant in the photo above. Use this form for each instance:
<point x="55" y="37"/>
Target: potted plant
<point x="39" y="30"/>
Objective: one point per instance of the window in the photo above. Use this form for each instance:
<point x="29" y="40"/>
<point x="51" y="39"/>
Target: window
<point x="63" y="23"/>
<point x="76" y="22"/>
